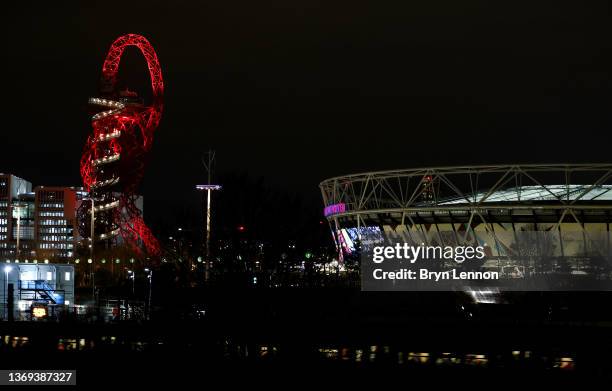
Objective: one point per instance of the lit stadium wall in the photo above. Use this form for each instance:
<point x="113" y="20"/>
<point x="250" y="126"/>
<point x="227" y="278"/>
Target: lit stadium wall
<point x="493" y="206"/>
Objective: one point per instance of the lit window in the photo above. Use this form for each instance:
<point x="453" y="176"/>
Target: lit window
<point x="67" y="276"/>
<point x="28" y="276"/>
<point x="49" y="276"/>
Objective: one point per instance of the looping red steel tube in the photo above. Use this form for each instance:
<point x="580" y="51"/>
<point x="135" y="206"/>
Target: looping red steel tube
<point x="115" y="155"/>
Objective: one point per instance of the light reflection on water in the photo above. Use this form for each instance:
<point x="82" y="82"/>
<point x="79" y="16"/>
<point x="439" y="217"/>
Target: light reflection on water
<point x="388" y="355"/>
<point x="368" y="355"/>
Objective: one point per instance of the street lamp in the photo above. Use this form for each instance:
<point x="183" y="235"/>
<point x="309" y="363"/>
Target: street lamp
<point x="91" y="245"/>
<point x="150" y="278"/>
<point x="7" y="270"/>
<point x="208" y="188"/>
<point x="18" y="207"/>
<point x="132" y="276"/>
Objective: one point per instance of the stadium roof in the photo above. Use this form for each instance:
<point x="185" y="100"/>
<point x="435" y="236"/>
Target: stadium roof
<point x="540" y="193"/>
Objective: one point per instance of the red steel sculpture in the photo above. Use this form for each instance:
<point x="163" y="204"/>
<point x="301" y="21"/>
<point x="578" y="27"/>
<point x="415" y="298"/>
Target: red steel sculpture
<point x="115" y="155"/>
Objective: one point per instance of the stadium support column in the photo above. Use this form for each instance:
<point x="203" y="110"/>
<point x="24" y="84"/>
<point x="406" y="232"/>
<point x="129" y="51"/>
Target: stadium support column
<point x="339" y="241"/>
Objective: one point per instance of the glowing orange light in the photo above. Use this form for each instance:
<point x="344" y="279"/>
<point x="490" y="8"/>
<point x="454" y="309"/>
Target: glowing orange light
<point x="39" y="312"/>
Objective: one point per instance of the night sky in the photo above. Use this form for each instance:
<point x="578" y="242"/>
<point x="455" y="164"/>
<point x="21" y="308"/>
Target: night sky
<point x="295" y="91"/>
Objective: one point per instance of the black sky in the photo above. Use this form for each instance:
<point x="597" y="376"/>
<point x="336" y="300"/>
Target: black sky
<point x="297" y="91"/>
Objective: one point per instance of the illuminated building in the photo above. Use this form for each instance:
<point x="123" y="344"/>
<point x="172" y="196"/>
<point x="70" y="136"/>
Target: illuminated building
<point x="10" y="189"/>
<point x="42" y="285"/>
<point x="36" y="224"/>
<point x="490" y="206"/>
<point x="41" y="224"/>
<point x="24" y="225"/>
<point x="56" y="224"/>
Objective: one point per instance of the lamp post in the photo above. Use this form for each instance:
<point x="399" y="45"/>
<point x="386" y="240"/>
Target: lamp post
<point x="150" y="278"/>
<point x="131" y="276"/>
<point x="209" y="165"/>
<point x="209" y="189"/>
<point x="91" y="245"/>
<point x="7" y="270"/>
<point x="92" y="228"/>
<point x="18" y="207"/>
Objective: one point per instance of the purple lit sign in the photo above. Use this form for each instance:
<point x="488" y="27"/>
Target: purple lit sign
<point x="334" y="209"/>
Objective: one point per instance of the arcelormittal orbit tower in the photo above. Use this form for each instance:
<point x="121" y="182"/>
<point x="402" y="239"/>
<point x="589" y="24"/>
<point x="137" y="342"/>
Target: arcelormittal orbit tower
<point x="115" y="155"/>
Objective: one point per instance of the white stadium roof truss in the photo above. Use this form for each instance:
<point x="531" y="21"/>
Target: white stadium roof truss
<point x="568" y="190"/>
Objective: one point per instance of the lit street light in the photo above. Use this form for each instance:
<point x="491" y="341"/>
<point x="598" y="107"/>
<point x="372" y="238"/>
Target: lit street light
<point x="132" y="275"/>
<point x="7" y="270"/>
<point x="92" y="222"/>
<point x="18" y="207"/>
<point x="150" y="278"/>
<point x="209" y="188"/>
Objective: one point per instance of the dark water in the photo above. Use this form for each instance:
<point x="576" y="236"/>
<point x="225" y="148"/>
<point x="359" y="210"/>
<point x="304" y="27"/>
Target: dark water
<point x="332" y="337"/>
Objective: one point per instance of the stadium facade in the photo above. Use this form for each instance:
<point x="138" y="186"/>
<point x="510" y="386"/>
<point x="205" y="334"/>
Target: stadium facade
<point x="555" y="211"/>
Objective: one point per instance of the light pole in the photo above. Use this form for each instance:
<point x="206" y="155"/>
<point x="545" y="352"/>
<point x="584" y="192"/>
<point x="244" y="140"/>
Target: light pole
<point x="131" y="276"/>
<point x="7" y="270"/>
<point x="18" y="236"/>
<point x="209" y="165"/>
<point x="150" y="278"/>
<point x="209" y="189"/>
<point x="91" y="245"/>
<point x="92" y="228"/>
